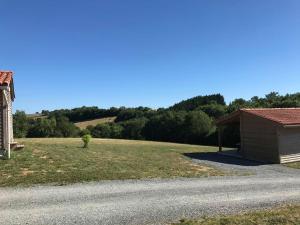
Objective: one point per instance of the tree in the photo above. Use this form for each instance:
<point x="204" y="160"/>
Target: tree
<point x="101" y="131"/>
<point x="132" y="129"/>
<point x="116" y="130"/>
<point x="193" y="103"/>
<point x="42" y="128"/>
<point x="64" y="128"/>
<point x="197" y="126"/>
<point x="20" y="124"/>
<point x="213" y="110"/>
<point x="166" y="126"/>
<point x="237" y="104"/>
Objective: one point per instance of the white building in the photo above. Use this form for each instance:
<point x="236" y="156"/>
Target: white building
<point x="6" y="122"/>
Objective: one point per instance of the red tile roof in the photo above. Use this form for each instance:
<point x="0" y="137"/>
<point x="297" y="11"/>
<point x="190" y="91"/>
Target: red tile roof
<point x="283" y="116"/>
<point x="5" y="77"/>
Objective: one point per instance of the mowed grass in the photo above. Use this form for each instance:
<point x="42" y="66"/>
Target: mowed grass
<point x="62" y="161"/>
<point x="295" y="165"/>
<point x="287" y="215"/>
<point x="84" y="124"/>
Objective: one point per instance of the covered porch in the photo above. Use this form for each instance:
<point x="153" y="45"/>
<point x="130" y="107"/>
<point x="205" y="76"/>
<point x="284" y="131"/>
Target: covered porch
<point x="229" y="135"/>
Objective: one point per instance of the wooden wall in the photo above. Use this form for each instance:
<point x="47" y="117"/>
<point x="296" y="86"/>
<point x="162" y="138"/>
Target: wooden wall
<point x="1" y="120"/>
<point x="289" y="144"/>
<point x="258" y="138"/>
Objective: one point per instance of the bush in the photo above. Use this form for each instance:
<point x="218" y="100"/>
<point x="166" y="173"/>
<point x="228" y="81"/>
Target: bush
<point x="86" y="140"/>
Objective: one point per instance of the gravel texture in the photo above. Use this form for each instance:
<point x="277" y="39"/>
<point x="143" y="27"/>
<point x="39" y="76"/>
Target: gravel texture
<point x="151" y="201"/>
<point x="241" y="166"/>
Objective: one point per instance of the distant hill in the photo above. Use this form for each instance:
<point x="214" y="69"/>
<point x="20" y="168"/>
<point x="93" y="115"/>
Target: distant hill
<point x="195" y="102"/>
<point x="84" y="124"/>
<point x="36" y="116"/>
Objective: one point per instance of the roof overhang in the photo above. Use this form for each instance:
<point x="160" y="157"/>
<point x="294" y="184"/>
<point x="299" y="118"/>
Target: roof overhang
<point x="7" y="83"/>
<point x="235" y="117"/>
<point x="231" y="118"/>
<point x="292" y="126"/>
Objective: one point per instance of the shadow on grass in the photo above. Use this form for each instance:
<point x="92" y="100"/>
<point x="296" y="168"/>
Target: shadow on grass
<point x="2" y="155"/>
<point x="223" y="159"/>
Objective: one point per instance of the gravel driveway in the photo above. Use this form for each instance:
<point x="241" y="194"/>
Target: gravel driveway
<point x="241" y="166"/>
<point x="149" y="201"/>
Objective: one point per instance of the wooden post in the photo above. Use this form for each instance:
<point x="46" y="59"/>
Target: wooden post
<point x="7" y="133"/>
<point x="220" y="138"/>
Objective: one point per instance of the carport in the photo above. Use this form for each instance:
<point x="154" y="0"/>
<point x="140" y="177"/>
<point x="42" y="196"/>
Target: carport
<point x="267" y="135"/>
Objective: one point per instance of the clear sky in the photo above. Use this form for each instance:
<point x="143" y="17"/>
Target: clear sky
<point x="147" y="52"/>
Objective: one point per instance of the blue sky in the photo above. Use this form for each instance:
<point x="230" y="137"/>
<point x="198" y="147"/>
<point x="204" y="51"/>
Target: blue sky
<point x="151" y="53"/>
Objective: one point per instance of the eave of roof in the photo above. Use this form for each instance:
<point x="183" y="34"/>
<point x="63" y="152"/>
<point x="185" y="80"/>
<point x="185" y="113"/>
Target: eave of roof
<point x="287" y="117"/>
<point x="6" y="78"/>
<point x="229" y="118"/>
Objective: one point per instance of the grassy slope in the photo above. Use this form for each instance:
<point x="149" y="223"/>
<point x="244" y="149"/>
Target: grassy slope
<point x="36" y="116"/>
<point x="84" y="124"/>
<point x="289" y="215"/>
<point x="295" y="165"/>
<point x="63" y="161"/>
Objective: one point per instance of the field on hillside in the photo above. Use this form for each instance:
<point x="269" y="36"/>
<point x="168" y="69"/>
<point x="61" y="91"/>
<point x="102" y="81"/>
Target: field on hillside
<point x="84" y="124"/>
<point x="63" y="160"/>
<point x="36" y="116"/>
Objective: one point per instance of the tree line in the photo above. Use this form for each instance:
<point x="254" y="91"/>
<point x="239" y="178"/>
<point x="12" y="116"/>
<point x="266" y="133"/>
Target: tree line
<point x="189" y="121"/>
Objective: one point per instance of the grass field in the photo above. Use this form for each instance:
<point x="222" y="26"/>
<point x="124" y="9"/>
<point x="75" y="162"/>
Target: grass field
<point x="287" y="215"/>
<point x="36" y="116"/>
<point x="295" y="165"/>
<point x="62" y="161"/>
<point x="84" y="124"/>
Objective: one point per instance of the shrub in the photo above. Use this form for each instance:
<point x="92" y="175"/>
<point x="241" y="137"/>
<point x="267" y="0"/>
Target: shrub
<point x="86" y="140"/>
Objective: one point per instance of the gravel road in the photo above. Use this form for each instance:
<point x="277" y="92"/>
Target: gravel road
<point x="149" y="201"/>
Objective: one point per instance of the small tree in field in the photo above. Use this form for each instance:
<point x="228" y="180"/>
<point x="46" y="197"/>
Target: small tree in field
<point x="86" y="140"/>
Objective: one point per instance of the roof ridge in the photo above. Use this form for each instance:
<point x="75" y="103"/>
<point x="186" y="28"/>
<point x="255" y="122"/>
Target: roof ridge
<point x="262" y="109"/>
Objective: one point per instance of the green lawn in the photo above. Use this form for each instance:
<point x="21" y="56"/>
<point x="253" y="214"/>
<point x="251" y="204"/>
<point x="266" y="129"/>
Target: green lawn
<point x="62" y="161"/>
<point x="288" y="215"/>
<point x="295" y="165"/>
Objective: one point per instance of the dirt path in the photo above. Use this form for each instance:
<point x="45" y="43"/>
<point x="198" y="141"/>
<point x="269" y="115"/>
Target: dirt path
<point x="145" y="202"/>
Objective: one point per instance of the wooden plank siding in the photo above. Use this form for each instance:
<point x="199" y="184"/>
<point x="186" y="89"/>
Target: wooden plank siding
<point x="258" y="138"/>
<point x="289" y="144"/>
<point x="1" y="120"/>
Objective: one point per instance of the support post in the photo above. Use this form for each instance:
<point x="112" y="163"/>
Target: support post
<point x="7" y="132"/>
<point x="5" y="124"/>
<point x="220" y="138"/>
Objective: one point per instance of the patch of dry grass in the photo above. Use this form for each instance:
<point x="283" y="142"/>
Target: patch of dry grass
<point x="286" y="215"/>
<point x="63" y="160"/>
<point x="295" y="165"/>
<point x="84" y="124"/>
